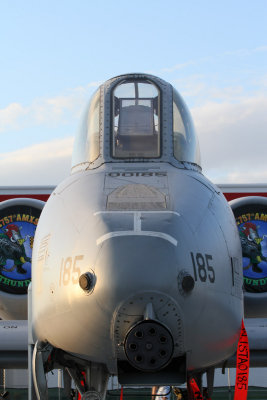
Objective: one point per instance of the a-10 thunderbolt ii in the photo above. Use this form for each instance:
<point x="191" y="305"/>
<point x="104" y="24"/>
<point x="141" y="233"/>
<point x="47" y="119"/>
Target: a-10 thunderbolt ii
<point x="137" y="265"/>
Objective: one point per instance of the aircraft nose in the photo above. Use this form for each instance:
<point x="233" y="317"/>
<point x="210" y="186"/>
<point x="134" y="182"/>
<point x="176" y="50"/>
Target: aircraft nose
<point x="149" y="346"/>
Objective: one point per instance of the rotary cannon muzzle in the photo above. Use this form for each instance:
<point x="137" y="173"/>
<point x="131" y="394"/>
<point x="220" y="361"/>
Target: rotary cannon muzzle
<point x="149" y="346"/>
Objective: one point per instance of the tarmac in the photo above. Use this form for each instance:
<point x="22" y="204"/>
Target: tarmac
<point x="220" y="393"/>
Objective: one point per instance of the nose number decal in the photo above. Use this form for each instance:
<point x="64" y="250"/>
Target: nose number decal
<point x="202" y="267"/>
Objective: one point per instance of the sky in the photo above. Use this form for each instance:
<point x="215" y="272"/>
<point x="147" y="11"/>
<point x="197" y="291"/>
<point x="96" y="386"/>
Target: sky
<point x="54" y="54"/>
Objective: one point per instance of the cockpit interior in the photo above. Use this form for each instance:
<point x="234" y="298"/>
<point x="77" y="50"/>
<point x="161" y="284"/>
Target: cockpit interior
<point x="136" y="124"/>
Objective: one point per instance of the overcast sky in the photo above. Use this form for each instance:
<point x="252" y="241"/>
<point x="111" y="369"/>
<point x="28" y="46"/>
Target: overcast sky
<point x="53" y="55"/>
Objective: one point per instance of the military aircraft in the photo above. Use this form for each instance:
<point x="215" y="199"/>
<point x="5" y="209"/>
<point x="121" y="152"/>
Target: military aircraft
<point x="137" y="263"/>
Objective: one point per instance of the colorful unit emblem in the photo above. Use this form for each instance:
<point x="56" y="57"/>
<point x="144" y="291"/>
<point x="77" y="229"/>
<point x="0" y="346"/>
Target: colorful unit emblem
<point x="252" y="226"/>
<point x="17" y="229"/>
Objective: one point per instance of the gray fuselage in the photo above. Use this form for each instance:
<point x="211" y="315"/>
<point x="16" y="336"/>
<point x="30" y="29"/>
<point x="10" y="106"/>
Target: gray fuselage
<point x="93" y="222"/>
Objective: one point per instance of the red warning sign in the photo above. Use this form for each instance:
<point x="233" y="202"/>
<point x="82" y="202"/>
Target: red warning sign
<point x="242" y="366"/>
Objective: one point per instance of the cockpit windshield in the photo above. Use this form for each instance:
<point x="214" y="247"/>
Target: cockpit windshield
<point x="87" y="141"/>
<point x="135" y="118"/>
<point x="136" y="132"/>
<point x="185" y="143"/>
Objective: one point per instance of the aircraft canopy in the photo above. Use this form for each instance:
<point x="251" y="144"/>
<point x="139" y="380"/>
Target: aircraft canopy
<point x="136" y="117"/>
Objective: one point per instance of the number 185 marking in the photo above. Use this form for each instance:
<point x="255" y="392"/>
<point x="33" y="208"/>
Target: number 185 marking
<point x="69" y="271"/>
<point x="202" y="267"/>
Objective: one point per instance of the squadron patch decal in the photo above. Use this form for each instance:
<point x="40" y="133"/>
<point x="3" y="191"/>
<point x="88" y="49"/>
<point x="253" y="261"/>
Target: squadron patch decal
<point x="17" y="228"/>
<point x="252" y="226"/>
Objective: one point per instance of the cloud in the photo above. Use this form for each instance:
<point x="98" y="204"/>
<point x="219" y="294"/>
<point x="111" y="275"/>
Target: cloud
<point x="177" y="67"/>
<point x="46" y="111"/>
<point x="42" y="164"/>
<point x="11" y="115"/>
<point x="246" y="52"/>
<point x="256" y="175"/>
<point x="233" y="139"/>
<point x="200" y="62"/>
<point x="191" y="86"/>
<point x="198" y="90"/>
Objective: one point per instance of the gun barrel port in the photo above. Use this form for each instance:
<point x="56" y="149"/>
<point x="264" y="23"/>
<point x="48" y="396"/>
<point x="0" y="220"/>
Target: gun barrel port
<point x="149" y="346"/>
